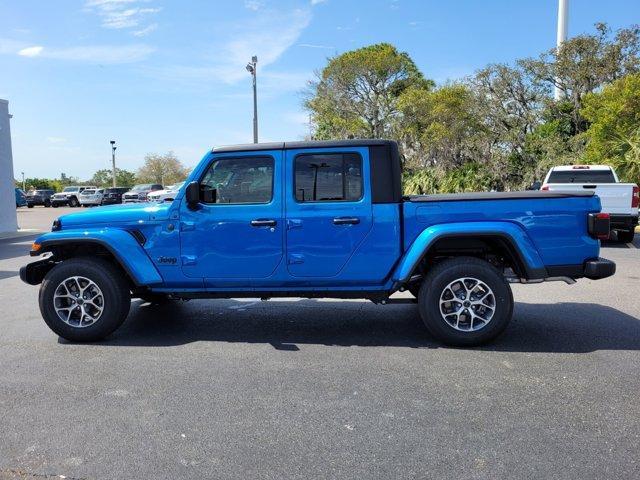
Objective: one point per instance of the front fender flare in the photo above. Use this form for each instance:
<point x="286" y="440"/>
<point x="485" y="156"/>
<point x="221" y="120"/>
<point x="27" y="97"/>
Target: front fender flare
<point x="120" y="243"/>
<point x="518" y="239"/>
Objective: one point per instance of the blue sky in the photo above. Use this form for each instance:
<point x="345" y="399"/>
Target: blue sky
<point x="159" y="75"/>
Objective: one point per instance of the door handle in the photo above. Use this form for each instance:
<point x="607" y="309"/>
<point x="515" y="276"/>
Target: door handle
<point x="262" y="222"/>
<point x="346" y="220"/>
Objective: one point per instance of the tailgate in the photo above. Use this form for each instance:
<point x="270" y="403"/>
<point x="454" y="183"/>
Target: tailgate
<point x="614" y="197"/>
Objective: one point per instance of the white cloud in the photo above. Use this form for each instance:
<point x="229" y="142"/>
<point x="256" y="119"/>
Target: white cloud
<point x="268" y="36"/>
<point x="145" y="31"/>
<point x="99" y="54"/>
<point x="31" y="51"/>
<point x="312" y="45"/>
<point x="254" y="4"/>
<point x="119" y="14"/>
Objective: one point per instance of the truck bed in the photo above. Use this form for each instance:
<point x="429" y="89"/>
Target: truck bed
<point x="554" y="222"/>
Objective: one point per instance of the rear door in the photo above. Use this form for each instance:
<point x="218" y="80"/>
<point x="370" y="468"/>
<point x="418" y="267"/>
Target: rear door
<point x="328" y="208"/>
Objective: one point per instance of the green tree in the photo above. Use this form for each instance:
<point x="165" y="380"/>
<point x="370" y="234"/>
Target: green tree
<point x="613" y="135"/>
<point x="103" y="178"/>
<point x="586" y="62"/>
<point x="163" y="169"/>
<point x="356" y="94"/>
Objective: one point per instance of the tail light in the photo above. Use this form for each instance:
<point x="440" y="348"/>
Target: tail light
<point x="599" y="225"/>
<point x="545" y="187"/>
<point x="635" y="197"/>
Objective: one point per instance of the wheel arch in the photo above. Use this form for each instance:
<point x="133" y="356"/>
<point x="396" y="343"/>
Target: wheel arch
<point x="452" y="240"/>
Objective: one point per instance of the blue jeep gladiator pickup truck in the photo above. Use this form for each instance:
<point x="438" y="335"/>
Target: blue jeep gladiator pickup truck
<point x="316" y="219"/>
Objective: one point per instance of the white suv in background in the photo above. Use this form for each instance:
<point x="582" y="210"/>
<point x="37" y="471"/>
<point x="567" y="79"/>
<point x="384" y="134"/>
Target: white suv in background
<point x="166" y="195"/>
<point x="90" y="197"/>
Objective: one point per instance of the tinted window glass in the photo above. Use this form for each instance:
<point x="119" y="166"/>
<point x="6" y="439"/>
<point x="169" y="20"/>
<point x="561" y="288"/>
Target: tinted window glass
<point x="328" y="177"/>
<point x="581" y="176"/>
<point x="240" y="180"/>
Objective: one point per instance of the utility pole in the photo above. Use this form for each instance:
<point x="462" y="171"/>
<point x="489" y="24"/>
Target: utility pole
<point x="23" y="185"/>
<point x="252" y="69"/>
<point x="563" y="21"/>
<point x="113" y="161"/>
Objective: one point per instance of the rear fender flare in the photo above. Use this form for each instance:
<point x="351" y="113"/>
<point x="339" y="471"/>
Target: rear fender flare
<point x="518" y="240"/>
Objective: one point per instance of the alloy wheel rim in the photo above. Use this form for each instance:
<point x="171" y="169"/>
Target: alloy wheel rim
<point x="467" y="304"/>
<point x="78" y="301"/>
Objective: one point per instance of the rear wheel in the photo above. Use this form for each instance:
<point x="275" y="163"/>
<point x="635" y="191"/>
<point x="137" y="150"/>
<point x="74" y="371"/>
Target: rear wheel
<point x="84" y="299"/>
<point x="47" y="203"/>
<point x="626" y="236"/>
<point x="465" y="301"/>
<point x="29" y="205"/>
<point x="55" y="205"/>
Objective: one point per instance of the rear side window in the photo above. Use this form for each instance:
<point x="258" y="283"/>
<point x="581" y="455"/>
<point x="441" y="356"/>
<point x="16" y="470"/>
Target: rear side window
<point x="328" y="177"/>
<point x="581" y="176"/>
<point x="240" y="180"/>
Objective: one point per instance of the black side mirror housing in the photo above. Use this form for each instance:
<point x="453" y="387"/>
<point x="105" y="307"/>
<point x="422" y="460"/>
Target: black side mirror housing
<point x="192" y="194"/>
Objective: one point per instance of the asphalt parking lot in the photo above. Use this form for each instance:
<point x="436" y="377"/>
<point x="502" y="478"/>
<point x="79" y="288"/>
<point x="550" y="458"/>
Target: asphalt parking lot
<point x="323" y="388"/>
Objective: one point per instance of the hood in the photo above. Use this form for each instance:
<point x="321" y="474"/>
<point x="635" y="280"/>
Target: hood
<point x="129" y="213"/>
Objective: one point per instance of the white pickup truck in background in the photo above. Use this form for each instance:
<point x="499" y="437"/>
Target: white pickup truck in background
<point x="619" y="200"/>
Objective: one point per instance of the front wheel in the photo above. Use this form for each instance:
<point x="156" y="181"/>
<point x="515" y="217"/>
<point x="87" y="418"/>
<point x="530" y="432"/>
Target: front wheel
<point x="73" y="202"/>
<point x="29" y="205"/>
<point x="465" y="301"/>
<point x="84" y="299"/>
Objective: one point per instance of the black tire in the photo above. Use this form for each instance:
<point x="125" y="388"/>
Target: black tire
<point x="107" y="277"/>
<point x="447" y="272"/>
<point x="626" y="236"/>
<point x="47" y="203"/>
<point x="29" y="205"/>
<point x="73" y="202"/>
<point x="55" y="205"/>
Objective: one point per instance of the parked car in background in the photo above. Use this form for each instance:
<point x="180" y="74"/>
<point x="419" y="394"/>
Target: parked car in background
<point x="39" y="197"/>
<point x="165" y="195"/>
<point x="619" y="200"/>
<point x="113" y="195"/>
<point x="69" y="196"/>
<point x="91" y="197"/>
<point x="140" y="192"/>
<point x="21" y="198"/>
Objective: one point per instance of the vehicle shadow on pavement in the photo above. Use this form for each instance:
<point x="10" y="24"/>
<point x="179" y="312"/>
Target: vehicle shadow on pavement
<point x="561" y="327"/>
<point x="16" y="247"/>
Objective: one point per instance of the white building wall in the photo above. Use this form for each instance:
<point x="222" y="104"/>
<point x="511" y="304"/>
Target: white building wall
<point x="8" y="221"/>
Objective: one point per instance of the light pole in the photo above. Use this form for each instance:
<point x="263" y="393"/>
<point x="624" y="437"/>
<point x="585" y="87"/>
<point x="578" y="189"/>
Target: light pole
<point x="251" y="68"/>
<point x="561" y="35"/>
<point x="113" y="161"/>
<point x="23" y="185"/>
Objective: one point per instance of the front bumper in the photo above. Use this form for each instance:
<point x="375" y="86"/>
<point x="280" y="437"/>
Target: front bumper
<point x="59" y="201"/>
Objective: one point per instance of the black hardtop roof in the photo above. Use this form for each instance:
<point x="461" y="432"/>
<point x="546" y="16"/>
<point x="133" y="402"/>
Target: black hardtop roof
<point x="302" y="144"/>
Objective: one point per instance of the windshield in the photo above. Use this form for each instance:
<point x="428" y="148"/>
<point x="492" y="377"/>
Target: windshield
<point x="141" y="188"/>
<point x="581" y="176"/>
<point x="70" y="189"/>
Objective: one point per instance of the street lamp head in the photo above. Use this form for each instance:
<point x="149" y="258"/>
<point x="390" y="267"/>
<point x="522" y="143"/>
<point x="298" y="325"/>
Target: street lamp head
<point x="112" y="142"/>
<point x="254" y="59"/>
<point x="250" y="68"/>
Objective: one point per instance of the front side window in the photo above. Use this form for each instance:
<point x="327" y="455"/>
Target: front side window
<point x="328" y="177"/>
<point x="239" y="180"/>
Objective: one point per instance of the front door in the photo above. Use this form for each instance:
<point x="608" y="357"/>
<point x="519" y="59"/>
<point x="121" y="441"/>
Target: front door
<point x="236" y="232"/>
<point x="328" y="204"/>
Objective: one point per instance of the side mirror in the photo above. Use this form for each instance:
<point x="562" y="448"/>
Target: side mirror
<point x="192" y="194"/>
